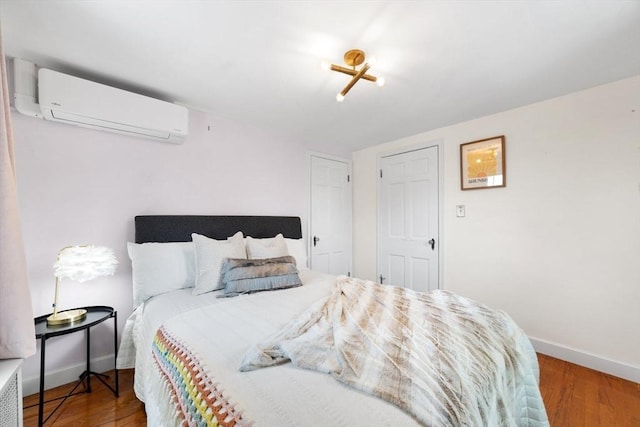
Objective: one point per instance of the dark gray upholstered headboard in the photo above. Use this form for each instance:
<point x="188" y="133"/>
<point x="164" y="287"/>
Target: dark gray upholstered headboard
<point x="178" y="228"/>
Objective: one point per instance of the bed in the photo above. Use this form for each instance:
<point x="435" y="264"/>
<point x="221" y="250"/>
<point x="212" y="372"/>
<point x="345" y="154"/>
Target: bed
<point x="311" y="351"/>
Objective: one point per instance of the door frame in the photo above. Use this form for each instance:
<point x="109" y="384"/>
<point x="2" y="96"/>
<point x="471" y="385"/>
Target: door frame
<point x="310" y="156"/>
<point x="405" y="149"/>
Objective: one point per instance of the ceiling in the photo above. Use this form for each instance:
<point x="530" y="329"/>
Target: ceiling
<point x="258" y="62"/>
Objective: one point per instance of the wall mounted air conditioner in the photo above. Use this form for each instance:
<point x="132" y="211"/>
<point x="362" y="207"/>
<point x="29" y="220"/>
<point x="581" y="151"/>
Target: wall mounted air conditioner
<point x="72" y="100"/>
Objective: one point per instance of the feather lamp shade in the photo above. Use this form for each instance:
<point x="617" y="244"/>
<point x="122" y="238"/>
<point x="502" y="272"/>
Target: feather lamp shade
<point x="79" y="263"/>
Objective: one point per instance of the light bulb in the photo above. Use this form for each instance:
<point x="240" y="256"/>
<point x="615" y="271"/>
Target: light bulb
<point x="325" y="65"/>
<point x="380" y="81"/>
<point x="339" y="97"/>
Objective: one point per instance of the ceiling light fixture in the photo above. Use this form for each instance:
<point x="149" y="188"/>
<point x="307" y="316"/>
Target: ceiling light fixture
<point x="353" y="58"/>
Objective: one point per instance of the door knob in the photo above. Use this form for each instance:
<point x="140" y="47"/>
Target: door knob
<point x="316" y="239"/>
<point x="432" y="242"/>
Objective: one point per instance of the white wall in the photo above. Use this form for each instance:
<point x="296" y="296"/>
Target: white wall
<point x="80" y="186"/>
<point x="559" y="247"/>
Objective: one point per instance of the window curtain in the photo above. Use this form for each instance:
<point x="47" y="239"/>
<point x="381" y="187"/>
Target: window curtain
<point x="17" y="332"/>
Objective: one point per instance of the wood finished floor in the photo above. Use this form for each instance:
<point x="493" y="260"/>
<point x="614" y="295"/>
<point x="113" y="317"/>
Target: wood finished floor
<point x="98" y="408"/>
<point x="574" y="397"/>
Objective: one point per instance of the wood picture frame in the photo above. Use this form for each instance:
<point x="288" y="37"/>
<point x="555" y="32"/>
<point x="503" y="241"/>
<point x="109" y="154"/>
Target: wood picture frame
<point x="482" y="164"/>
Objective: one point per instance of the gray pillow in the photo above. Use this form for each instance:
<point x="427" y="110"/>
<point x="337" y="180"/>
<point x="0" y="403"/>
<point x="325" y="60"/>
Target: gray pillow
<point x="245" y="276"/>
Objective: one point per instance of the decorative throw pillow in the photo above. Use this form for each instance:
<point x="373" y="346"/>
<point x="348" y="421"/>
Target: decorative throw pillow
<point x="266" y="248"/>
<point x="209" y="254"/>
<point x="160" y="267"/>
<point x="244" y="276"/>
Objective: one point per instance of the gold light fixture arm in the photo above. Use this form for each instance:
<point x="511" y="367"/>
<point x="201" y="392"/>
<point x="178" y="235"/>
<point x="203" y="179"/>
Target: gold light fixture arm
<point x="352" y="72"/>
<point x="355" y="79"/>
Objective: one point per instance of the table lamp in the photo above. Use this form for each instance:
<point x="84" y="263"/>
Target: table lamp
<point x="79" y="263"/>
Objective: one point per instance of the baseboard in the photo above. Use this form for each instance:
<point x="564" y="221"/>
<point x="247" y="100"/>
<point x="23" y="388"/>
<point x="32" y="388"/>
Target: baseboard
<point x="65" y="376"/>
<point x="592" y="361"/>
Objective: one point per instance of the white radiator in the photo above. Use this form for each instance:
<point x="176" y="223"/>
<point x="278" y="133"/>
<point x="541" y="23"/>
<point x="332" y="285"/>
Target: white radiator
<point x="11" y="393"/>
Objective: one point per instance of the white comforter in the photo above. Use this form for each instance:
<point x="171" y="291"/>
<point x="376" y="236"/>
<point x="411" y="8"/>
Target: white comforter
<point x="220" y="331"/>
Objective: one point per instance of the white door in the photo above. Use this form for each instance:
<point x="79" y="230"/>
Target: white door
<point x="330" y="230"/>
<point x="408" y="243"/>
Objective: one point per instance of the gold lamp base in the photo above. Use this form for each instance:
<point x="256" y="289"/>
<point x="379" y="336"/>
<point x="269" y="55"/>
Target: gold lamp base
<point x="65" y="317"/>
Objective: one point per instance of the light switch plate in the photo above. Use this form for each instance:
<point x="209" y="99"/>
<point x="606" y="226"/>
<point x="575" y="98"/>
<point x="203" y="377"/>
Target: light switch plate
<point x="460" y="211"/>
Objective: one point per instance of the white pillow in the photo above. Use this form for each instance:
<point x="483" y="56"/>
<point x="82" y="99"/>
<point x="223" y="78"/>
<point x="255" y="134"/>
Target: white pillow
<point x="266" y="248"/>
<point x="160" y="267"/>
<point x="298" y="249"/>
<point x="209" y="254"/>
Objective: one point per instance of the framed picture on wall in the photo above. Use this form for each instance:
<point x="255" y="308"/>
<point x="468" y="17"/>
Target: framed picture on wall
<point x="482" y="164"/>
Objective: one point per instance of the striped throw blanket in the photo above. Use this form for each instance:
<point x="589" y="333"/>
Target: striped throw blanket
<point x="445" y="359"/>
<point x="197" y="397"/>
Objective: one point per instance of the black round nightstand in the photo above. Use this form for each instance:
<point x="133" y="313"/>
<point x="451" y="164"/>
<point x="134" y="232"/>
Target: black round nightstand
<point x="95" y="315"/>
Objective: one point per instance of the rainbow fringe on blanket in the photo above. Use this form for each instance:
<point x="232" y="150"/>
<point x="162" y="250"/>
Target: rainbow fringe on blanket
<point x="198" y="400"/>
